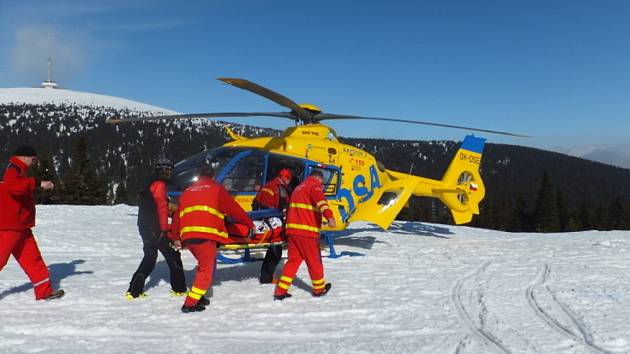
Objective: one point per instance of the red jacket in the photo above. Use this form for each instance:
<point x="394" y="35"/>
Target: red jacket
<point x="272" y="195"/>
<point x="203" y="208"/>
<point x="158" y="191"/>
<point x="307" y="204"/>
<point x="17" y="197"/>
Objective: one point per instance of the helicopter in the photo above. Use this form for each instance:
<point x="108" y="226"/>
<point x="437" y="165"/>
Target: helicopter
<point x="357" y="186"/>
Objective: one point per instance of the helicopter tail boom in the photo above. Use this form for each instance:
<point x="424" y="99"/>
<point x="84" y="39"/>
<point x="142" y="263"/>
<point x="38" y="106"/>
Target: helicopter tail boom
<point x="461" y="188"/>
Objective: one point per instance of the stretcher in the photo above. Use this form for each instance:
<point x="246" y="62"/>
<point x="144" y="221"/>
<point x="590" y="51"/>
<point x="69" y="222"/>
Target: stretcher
<point x="269" y="231"/>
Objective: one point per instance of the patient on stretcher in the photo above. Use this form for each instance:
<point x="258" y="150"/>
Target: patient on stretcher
<point x="267" y="230"/>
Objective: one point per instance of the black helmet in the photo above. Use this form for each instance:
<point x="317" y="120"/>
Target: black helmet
<point x="163" y="162"/>
<point x="25" y="150"/>
<point x="206" y="170"/>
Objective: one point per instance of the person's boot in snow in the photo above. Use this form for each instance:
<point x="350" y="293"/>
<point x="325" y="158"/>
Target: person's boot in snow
<point x="282" y="296"/>
<point x="323" y="291"/>
<point x="203" y="301"/>
<point x="57" y="294"/>
<point x="198" y="307"/>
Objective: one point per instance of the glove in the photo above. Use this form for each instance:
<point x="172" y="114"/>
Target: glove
<point x="176" y="245"/>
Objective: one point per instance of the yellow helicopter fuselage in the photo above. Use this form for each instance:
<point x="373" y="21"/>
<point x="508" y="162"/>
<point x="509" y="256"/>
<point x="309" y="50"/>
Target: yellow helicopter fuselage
<point x="359" y="188"/>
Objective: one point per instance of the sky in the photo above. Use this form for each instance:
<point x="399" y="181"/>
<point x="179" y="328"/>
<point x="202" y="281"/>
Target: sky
<point x="558" y="71"/>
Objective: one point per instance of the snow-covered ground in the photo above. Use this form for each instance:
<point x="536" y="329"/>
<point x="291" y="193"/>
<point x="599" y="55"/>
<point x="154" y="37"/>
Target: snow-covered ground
<point x="417" y="288"/>
<point x="59" y="96"/>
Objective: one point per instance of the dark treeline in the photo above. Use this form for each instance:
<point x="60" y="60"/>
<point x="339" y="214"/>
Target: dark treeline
<point x="527" y="189"/>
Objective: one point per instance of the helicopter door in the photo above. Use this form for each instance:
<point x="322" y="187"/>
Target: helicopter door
<point x="332" y="191"/>
<point x="277" y="162"/>
<point x="332" y="179"/>
<point x="244" y="173"/>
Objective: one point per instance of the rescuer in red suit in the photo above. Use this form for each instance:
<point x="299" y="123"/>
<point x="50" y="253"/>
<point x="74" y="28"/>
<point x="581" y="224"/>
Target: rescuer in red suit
<point x="304" y="220"/>
<point x="273" y="195"/>
<point x="17" y="217"/>
<point x="199" y="224"/>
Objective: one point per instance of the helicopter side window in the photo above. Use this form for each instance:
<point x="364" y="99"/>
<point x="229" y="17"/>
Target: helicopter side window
<point x="331" y="180"/>
<point x="246" y="176"/>
<point x="276" y="163"/>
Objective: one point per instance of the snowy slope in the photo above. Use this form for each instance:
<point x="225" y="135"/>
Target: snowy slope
<point x="59" y="96"/>
<point x="418" y="288"/>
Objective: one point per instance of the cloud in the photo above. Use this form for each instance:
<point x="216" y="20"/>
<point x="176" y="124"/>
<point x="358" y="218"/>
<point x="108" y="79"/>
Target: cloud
<point x="35" y="44"/>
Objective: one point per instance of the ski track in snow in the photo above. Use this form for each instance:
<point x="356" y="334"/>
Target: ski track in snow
<point x="417" y="288"/>
<point x="584" y="336"/>
<point x="478" y="330"/>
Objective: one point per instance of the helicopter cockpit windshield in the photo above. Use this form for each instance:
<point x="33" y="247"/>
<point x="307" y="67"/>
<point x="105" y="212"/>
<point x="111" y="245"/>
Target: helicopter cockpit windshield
<point x="240" y="170"/>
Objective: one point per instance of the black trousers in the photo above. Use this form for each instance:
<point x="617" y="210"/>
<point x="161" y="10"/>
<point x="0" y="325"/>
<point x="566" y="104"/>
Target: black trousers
<point x="272" y="258"/>
<point x="151" y="244"/>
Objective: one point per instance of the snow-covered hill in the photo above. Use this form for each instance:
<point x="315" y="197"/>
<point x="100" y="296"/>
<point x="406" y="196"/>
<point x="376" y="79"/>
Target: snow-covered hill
<point x="418" y="288"/>
<point x="54" y="120"/>
<point x="69" y="97"/>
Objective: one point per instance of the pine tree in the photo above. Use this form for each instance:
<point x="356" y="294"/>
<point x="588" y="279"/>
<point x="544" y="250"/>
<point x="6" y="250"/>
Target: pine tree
<point x="487" y="211"/>
<point x="520" y="219"/>
<point x="121" y="196"/>
<point x="616" y="215"/>
<point x="584" y="218"/>
<point x="546" y="210"/>
<point x="563" y="212"/>
<point x="600" y="218"/>
<point x="81" y="185"/>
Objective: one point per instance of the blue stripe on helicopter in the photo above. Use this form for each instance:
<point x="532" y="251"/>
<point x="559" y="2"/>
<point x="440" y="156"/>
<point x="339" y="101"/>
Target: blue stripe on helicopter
<point x="473" y="143"/>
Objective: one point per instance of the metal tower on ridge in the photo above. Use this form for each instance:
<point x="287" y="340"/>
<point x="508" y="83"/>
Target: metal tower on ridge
<point x="49" y="83"/>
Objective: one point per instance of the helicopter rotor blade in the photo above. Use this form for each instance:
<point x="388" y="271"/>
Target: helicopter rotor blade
<point x="330" y="116"/>
<point x="287" y="115"/>
<point x="247" y="85"/>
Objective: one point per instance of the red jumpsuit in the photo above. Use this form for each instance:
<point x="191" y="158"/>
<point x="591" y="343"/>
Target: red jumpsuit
<point x="200" y="223"/>
<point x="304" y="219"/>
<point x="17" y="217"/>
<point x="272" y="195"/>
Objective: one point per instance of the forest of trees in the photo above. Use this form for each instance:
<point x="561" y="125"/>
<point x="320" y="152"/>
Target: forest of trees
<point x="528" y="190"/>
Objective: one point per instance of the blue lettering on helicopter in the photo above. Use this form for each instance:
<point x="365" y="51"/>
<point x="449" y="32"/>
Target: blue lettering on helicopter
<point x="361" y="190"/>
<point x="344" y="193"/>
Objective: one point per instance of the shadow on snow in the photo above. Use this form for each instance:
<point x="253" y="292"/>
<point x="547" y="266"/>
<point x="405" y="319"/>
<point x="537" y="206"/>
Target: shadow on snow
<point x="58" y="272"/>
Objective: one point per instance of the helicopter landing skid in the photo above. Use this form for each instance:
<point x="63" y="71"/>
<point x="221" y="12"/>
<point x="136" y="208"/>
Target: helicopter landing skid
<point x="330" y="240"/>
<point x="247" y="257"/>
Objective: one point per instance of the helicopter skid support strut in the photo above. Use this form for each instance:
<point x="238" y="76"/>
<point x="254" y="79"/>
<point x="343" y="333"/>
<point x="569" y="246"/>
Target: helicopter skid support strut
<point x="330" y="240"/>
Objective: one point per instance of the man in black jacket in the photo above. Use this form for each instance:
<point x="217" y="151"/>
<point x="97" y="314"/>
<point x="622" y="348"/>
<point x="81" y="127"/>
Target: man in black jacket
<point x="153" y="225"/>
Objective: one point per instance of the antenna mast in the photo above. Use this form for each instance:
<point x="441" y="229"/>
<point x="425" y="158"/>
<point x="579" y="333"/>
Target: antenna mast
<point x="49" y="83"/>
